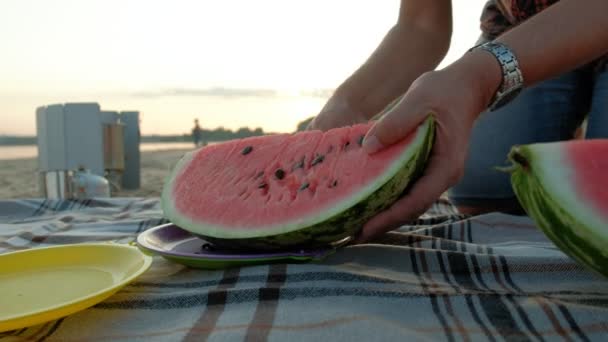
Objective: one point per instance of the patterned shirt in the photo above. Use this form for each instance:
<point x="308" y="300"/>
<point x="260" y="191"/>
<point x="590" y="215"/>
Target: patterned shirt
<point x="500" y="15"/>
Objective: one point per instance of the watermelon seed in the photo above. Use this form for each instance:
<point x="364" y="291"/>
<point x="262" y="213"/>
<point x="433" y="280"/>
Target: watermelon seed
<point x="318" y="159"/>
<point x="247" y="150"/>
<point x="334" y="184"/>
<point x="262" y="185"/>
<point x="346" y="145"/>
<point x="259" y="175"/>
<point x="207" y="247"/>
<point x="361" y="140"/>
<point x="304" y="186"/>
<point x="279" y="173"/>
<point x="298" y="165"/>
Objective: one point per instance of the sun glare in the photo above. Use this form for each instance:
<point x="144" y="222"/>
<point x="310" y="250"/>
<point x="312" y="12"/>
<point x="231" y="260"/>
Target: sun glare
<point x="180" y="58"/>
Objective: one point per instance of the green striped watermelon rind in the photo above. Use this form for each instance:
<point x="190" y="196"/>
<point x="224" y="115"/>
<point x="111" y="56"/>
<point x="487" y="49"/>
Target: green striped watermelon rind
<point x="543" y="187"/>
<point x="340" y="223"/>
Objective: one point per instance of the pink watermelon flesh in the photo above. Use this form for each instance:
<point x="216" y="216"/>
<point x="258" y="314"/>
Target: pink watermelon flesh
<point x="590" y="171"/>
<point x="562" y="187"/>
<point x="264" y="181"/>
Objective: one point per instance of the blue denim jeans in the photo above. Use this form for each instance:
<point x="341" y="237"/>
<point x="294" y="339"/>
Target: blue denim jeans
<point x="549" y="111"/>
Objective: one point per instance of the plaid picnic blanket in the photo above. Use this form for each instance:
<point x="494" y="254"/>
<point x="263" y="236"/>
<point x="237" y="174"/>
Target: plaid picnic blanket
<point x="448" y="277"/>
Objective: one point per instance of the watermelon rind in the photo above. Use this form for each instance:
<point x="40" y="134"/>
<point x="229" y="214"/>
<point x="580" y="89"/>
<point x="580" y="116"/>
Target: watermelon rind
<point x="542" y="182"/>
<point x="322" y="228"/>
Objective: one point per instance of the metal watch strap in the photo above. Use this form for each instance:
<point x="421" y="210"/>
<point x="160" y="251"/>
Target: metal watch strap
<point x="512" y="78"/>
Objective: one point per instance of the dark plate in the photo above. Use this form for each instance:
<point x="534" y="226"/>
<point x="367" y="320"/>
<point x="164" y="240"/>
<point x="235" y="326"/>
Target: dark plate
<point x="179" y="245"/>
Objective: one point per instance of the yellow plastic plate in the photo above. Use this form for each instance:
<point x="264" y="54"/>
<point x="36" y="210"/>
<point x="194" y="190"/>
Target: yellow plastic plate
<point x="44" y="284"/>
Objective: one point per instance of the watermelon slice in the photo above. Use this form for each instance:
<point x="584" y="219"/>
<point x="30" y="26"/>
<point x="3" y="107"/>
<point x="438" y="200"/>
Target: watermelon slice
<point x="562" y="186"/>
<point x="278" y="191"/>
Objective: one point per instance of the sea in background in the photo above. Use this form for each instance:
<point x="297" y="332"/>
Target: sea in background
<point x="31" y="151"/>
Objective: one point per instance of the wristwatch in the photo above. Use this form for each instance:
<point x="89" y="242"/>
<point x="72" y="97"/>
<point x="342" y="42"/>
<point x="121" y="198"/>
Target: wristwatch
<point x="512" y="78"/>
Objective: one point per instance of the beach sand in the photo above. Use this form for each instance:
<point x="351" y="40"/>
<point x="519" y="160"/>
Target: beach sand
<point x="18" y="177"/>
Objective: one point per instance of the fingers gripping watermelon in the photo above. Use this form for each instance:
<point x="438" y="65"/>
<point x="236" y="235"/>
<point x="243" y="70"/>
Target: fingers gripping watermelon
<point x="562" y="186"/>
<point x="306" y="189"/>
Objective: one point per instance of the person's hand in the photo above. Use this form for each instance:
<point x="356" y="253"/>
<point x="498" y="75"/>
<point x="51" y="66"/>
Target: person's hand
<point x="454" y="96"/>
<point x="337" y="112"/>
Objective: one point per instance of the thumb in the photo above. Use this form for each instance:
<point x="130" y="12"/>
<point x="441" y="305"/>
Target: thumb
<point x="391" y="128"/>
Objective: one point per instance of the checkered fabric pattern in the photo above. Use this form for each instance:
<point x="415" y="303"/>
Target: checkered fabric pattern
<point x="446" y="277"/>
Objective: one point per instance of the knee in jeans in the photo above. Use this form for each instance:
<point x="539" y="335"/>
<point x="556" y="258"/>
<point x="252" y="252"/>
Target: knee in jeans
<point x="478" y="206"/>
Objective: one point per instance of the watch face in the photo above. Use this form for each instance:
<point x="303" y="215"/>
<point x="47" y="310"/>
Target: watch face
<point x="505" y="98"/>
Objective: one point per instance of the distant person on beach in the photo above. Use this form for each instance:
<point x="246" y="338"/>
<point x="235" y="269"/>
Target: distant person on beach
<point x="538" y="69"/>
<point x="197" y="134"/>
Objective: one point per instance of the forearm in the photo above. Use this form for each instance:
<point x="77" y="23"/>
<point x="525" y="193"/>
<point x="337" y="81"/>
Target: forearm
<point x="563" y="37"/>
<point x="410" y="48"/>
<point x="558" y="39"/>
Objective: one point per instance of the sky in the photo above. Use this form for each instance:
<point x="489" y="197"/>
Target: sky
<point x="230" y="63"/>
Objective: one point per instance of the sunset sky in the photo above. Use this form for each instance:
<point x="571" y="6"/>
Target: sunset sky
<point x="231" y="63"/>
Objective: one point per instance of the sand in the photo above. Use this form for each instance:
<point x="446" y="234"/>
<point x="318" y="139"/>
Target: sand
<point x="18" y="178"/>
